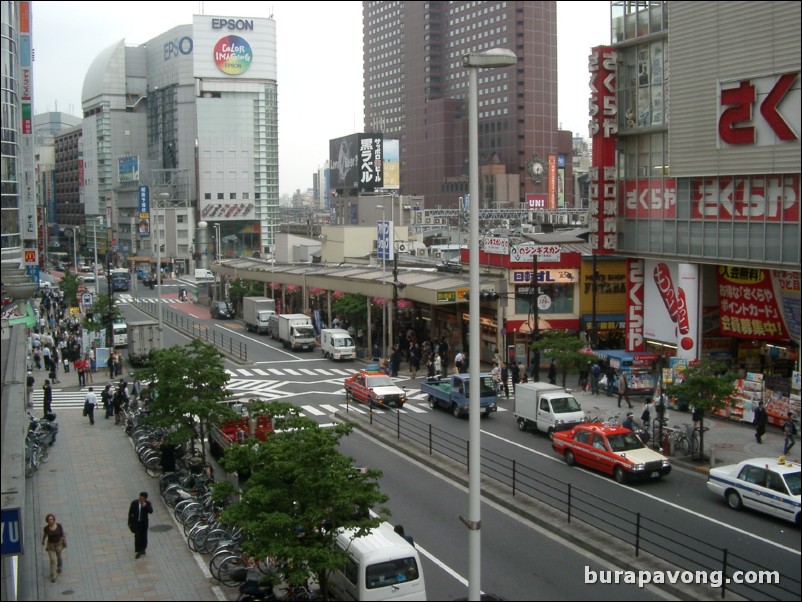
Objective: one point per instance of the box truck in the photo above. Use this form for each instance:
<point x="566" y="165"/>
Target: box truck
<point x="295" y="331"/>
<point x="256" y="312"/>
<point x="546" y="408"/>
<point x="337" y="344"/>
<point x="143" y="339"/>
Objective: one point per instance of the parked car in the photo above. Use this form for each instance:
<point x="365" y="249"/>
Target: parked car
<point x="90" y="278"/>
<point x="222" y="310"/>
<point x="449" y="267"/>
<point x="768" y="485"/>
<point x="614" y="450"/>
<point x="374" y="389"/>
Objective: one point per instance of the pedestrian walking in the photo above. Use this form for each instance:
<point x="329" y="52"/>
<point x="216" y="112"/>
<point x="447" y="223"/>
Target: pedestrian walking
<point x="79" y="368"/>
<point x="47" y="399"/>
<point x="789" y="429"/>
<point x="505" y="379"/>
<point x="54" y="540"/>
<point x="106" y="398"/>
<point x="431" y="368"/>
<point x="30" y="383"/>
<point x="516" y="375"/>
<point x="37" y="358"/>
<point x="138" y="522"/>
<point x="583" y="377"/>
<point x="623" y="388"/>
<point x="595" y="375"/>
<point x="553" y="373"/>
<point x="759" y="422"/>
<point x="88" y="369"/>
<point x="89" y="405"/>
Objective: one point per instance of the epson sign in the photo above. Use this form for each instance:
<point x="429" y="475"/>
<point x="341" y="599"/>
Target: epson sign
<point x="178" y="46"/>
<point x="238" y="24"/>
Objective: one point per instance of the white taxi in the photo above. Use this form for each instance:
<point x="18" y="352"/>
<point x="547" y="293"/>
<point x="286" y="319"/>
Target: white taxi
<point x="768" y="485"/>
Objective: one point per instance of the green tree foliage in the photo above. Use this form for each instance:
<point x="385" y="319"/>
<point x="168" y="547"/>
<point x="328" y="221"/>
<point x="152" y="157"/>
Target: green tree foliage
<point x="563" y="346"/>
<point x="707" y="385"/>
<point x="99" y="314"/>
<point x="190" y="383"/>
<point x="353" y="307"/>
<point x="240" y="288"/>
<point x="301" y="489"/>
<point x="69" y="285"/>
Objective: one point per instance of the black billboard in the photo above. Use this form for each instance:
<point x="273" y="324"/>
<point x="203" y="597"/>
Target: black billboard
<point x="356" y="162"/>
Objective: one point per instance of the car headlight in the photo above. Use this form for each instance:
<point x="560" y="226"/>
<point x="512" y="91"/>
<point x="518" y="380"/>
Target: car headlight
<point x="639" y="467"/>
<point x="666" y="463"/>
<point x="559" y="422"/>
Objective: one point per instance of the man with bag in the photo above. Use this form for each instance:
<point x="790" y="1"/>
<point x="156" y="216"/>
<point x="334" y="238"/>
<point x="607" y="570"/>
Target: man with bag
<point x="89" y="405"/>
<point x="138" y="522"/>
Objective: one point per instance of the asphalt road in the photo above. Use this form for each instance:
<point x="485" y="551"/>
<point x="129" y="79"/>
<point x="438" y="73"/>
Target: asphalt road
<point x="511" y="549"/>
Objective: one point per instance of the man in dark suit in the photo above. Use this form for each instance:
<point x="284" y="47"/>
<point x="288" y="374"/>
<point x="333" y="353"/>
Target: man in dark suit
<point x="138" y="522"/>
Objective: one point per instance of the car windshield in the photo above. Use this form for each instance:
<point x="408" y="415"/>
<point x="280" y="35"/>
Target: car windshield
<point x="379" y="381"/>
<point x="792" y="480"/>
<point x="624" y="442"/>
<point x="564" y="405"/>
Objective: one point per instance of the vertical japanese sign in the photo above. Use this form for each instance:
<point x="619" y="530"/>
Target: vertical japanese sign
<point x="635" y="312"/>
<point x="552" y="182"/>
<point x="371" y="166"/>
<point x="786" y="286"/>
<point x="603" y="129"/>
<point x="143" y="199"/>
<point x="384" y="247"/>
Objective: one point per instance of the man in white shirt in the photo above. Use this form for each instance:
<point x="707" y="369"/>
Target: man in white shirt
<point x="89" y="405"/>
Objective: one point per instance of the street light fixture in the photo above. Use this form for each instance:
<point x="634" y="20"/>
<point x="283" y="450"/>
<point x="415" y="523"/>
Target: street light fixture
<point x="75" y="249"/>
<point x="384" y="307"/>
<point x="163" y="196"/>
<point x="495" y="57"/>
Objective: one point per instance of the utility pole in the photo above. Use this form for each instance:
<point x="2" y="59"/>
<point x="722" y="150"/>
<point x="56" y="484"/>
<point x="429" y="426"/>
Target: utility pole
<point x="536" y="327"/>
<point x="110" y="318"/>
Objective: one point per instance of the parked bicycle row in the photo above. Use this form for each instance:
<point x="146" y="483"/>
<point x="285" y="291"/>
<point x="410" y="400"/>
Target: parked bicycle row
<point x="41" y="436"/>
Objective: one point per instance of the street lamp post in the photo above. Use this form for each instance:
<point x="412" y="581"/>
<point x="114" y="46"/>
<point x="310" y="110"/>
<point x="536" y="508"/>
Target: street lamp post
<point x="163" y="196"/>
<point x="384" y="307"/>
<point x="75" y="248"/>
<point x="94" y="240"/>
<point x="496" y="57"/>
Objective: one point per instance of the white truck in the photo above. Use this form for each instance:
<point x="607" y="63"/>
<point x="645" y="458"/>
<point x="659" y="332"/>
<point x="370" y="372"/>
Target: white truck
<point x="337" y="344"/>
<point x="256" y="312"/>
<point x="546" y="408"/>
<point x="295" y="331"/>
<point x="143" y="339"/>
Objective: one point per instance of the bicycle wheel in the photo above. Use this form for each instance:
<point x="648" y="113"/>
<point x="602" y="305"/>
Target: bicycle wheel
<point x="217" y="559"/>
<point x="154" y="466"/>
<point x="684" y="445"/>
<point x="231" y="571"/>
<point x="196" y="537"/>
<point x="213" y="538"/>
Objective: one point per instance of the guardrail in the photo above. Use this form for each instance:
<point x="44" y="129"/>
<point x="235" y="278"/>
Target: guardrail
<point x="642" y="532"/>
<point x="190" y="327"/>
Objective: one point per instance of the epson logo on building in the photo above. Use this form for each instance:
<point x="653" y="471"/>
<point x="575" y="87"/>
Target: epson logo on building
<point x="240" y="24"/>
<point x="178" y="46"/>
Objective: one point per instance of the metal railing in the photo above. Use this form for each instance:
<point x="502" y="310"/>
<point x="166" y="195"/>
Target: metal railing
<point x="189" y="326"/>
<point x="644" y="533"/>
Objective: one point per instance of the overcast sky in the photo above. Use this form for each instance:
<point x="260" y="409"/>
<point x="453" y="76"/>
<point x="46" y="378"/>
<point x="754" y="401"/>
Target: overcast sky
<point x="319" y="62"/>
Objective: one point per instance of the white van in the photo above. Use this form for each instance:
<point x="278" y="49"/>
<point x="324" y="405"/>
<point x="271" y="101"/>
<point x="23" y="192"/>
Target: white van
<point x="201" y="274"/>
<point x="381" y="566"/>
<point x="337" y="344"/>
<point x="119" y="332"/>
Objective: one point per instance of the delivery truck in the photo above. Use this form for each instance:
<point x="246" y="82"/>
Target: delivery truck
<point x="295" y="331"/>
<point x="256" y="312"/>
<point x="546" y="408"/>
<point x="143" y="340"/>
<point x="337" y="344"/>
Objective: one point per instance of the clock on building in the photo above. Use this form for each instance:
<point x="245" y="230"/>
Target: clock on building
<point x="536" y="169"/>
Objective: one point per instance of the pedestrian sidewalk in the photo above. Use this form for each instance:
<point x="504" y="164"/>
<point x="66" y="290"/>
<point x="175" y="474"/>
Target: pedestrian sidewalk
<point x="727" y="441"/>
<point x="88" y="483"/>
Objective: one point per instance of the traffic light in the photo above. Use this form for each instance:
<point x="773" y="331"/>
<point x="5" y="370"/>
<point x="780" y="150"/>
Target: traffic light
<point x="488" y="296"/>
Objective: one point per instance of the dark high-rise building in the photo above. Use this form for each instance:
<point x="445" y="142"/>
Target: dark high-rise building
<point x="416" y="90"/>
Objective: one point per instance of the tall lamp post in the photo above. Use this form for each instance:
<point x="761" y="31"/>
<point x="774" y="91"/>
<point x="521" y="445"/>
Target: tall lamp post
<point x="163" y="196"/>
<point x="383" y="252"/>
<point x="75" y="248"/>
<point x="495" y="57"/>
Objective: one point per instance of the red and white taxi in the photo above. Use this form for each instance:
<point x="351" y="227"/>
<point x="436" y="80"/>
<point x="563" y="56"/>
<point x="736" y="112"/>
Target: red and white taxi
<point x="375" y="389"/>
<point x="614" y="450"/>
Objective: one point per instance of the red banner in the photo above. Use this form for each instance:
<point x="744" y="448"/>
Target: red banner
<point x="650" y="198"/>
<point x="748" y="304"/>
<point x="772" y="198"/>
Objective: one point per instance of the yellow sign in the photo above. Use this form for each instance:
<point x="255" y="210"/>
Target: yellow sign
<point x="30" y="257"/>
<point x="462" y="293"/>
<point x="446" y="296"/>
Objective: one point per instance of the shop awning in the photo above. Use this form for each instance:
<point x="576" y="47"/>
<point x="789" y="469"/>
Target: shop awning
<point x="605" y="321"/>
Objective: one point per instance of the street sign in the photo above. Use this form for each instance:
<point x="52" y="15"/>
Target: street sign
<point x="86" y="299"/>
<point x="11" y="531"/>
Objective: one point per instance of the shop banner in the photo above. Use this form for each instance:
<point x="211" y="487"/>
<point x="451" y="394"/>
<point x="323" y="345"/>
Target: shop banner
<point x="672" y="305"/>
<point x="635" y="306"/>
<point x="786" y="286"/>
<point x="749" y="305"/>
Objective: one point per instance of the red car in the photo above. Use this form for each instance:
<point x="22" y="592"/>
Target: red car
<point x="614" y="450"/>
<point x="374" y="388"/>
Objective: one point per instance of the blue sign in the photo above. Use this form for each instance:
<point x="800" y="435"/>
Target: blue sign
<point x="144" y="199"/>
<point x="11" y="534"/>
<point x="383" y="241"/>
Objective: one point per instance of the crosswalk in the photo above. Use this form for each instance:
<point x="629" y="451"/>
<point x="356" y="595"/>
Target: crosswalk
<point x="126" y="299"/>
<point x="416" y="402"/>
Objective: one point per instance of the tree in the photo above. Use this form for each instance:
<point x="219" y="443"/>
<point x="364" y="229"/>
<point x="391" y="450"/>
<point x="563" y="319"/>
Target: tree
<point x="707" y="385"/>
<point x="69" y="285"/>
<point x="353" y="307"/>
<point x="97" y="319"/>
<point x="563" y="346"/>
<point x="300" y="492"/>
<point x="189" y="383"/>
<point x="239" y="288"/>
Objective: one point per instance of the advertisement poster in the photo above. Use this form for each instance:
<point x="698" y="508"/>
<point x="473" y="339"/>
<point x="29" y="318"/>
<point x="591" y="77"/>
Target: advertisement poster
<point x="749" y="305"/>
<point x="672" y="305"/>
